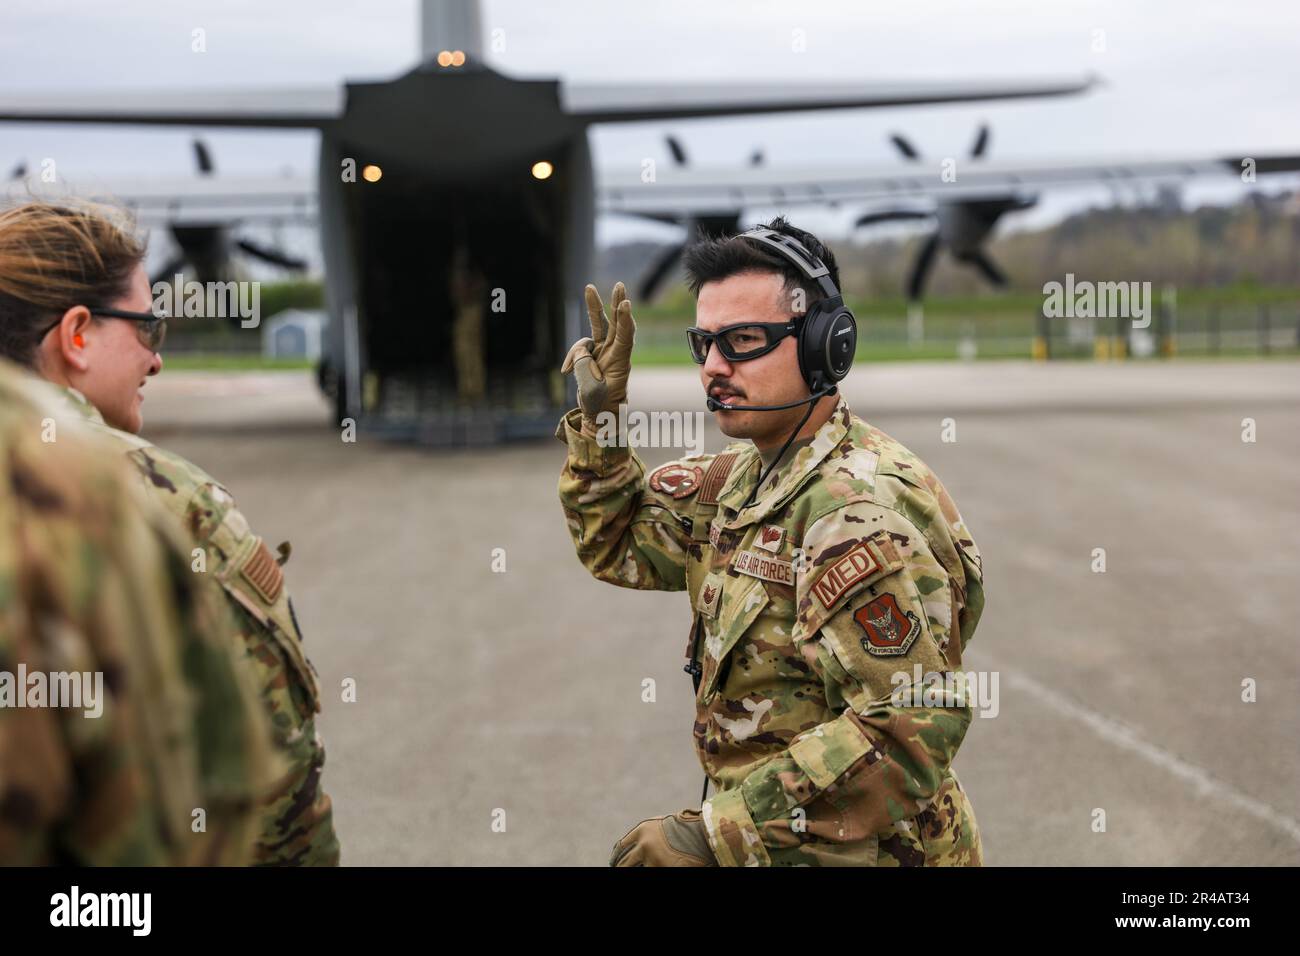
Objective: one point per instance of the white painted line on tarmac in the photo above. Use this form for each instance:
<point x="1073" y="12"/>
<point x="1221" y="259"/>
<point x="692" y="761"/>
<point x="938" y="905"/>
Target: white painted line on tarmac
<point x="1126" y="738"/>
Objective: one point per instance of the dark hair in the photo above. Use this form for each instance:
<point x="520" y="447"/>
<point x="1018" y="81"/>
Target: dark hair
<point x="712" y="260"/>
<point x="54" y="256"/>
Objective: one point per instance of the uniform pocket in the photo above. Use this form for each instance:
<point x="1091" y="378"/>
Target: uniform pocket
<point x="947" y="828"/>
<point x="742" y="601"/>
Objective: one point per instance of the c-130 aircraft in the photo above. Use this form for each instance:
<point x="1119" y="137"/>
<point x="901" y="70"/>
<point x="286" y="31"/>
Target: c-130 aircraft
<point x="455" y="259"/>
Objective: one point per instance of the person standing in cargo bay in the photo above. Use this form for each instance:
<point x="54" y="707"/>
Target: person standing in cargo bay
<point x="825" y="564"/>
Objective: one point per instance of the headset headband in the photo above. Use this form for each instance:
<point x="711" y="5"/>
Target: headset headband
<point x="794" y="251"/>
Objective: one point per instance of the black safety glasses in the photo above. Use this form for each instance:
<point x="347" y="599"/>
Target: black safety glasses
<point x="740" y="343"/>
<point x="151" y="329"/>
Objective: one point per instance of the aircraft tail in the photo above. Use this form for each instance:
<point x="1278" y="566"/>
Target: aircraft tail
<point x="450" y="25"/>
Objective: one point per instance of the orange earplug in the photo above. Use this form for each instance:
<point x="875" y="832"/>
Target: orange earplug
<point x="78" y="341"/>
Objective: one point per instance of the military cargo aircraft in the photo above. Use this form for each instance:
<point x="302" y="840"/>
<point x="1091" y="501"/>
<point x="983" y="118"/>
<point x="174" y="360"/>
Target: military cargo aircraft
<point x="478" y="185"/>
<point x="456" y="206"/>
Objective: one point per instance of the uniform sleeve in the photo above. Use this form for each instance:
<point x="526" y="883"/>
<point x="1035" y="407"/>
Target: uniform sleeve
<point x="177" y="739"/>
<point x="626" y="531"/>
<point x="297" y="818"/>
<point x="876" y="613"/>
<point x="238" y="762"/>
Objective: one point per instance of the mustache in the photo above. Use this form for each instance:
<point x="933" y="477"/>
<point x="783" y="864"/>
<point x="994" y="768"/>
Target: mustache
<point x="726" y="386"/>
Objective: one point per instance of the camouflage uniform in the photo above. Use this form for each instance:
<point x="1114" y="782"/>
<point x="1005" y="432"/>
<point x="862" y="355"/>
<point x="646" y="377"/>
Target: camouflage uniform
<point x="93" y="579"/>
<point x="298" y="824"/>
<point x="850" y="565"/>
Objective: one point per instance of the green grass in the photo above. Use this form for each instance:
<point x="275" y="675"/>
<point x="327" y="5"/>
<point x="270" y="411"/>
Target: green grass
<point x="213" y="361"/>
<point x="1002" y="325"/>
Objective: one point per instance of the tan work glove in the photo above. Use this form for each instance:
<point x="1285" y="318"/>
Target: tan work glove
<point x="602" y="361"/>
<point x="678" y="840"/>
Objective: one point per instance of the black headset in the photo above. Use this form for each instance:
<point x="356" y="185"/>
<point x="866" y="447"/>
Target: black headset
<point x="828" y="334"/>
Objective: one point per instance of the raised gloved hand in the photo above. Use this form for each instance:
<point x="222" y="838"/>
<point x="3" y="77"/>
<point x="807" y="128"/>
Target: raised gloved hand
<point x="602" y="361"/>
<point x="677" y="840"/>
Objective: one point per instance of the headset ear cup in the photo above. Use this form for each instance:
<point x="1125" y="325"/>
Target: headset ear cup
<point x="812" y="348"/>
<point x="841" y="344"/>
<point x="819" y="361"/>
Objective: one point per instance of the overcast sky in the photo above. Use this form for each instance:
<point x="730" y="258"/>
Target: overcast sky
<point x="1183" y="78"/>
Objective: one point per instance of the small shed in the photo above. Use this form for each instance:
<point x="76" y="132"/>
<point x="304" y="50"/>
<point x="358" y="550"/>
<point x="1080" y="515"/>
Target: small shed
<point x="294" y="333"/>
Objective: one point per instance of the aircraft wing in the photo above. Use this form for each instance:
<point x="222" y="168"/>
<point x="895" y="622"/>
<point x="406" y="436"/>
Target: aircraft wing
<point x="681" y="192"/>
<point x="626" y="102"/>
<point x="316" y="106"/>
<point x="194" y="200"/>
<point x="290" y="107"/>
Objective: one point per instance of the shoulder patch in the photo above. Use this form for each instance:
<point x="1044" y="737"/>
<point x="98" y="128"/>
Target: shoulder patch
<point x="890" y="630"/>
<point x="716" y="477"/>
<point x="262" y="571"/>
<point x="680" y="481"/>
<point x="838" y="578"/>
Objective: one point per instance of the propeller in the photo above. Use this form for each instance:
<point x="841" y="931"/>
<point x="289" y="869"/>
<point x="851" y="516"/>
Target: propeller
<point x="208" y="249"/>
<point x="984" y="264"/>
<point x="675" y="147"/>
<point x="890" y="215"/>
<point x="906" y="148"/>
<point x="663" y="265"/>
<point x="273" y="256"/>
<point x="962" y="224"/>
<point x="921" y="267"/>
<point x="697" y="227"/>
<point x="202" y="158"/>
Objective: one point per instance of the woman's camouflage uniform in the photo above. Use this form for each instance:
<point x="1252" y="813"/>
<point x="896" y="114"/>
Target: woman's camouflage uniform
<point x="850" y="566"/>
<point x="298" y="824"/>
<point x="93" y="579"/>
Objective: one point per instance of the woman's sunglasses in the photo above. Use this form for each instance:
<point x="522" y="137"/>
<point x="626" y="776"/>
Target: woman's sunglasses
<point x="151" y="329"/>
<point x="739" y="343"/>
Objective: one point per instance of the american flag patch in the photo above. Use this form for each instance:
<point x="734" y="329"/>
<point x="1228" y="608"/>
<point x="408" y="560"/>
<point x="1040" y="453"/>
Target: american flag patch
<point x="262" y="571"/>
<point x="716" y="477"/>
